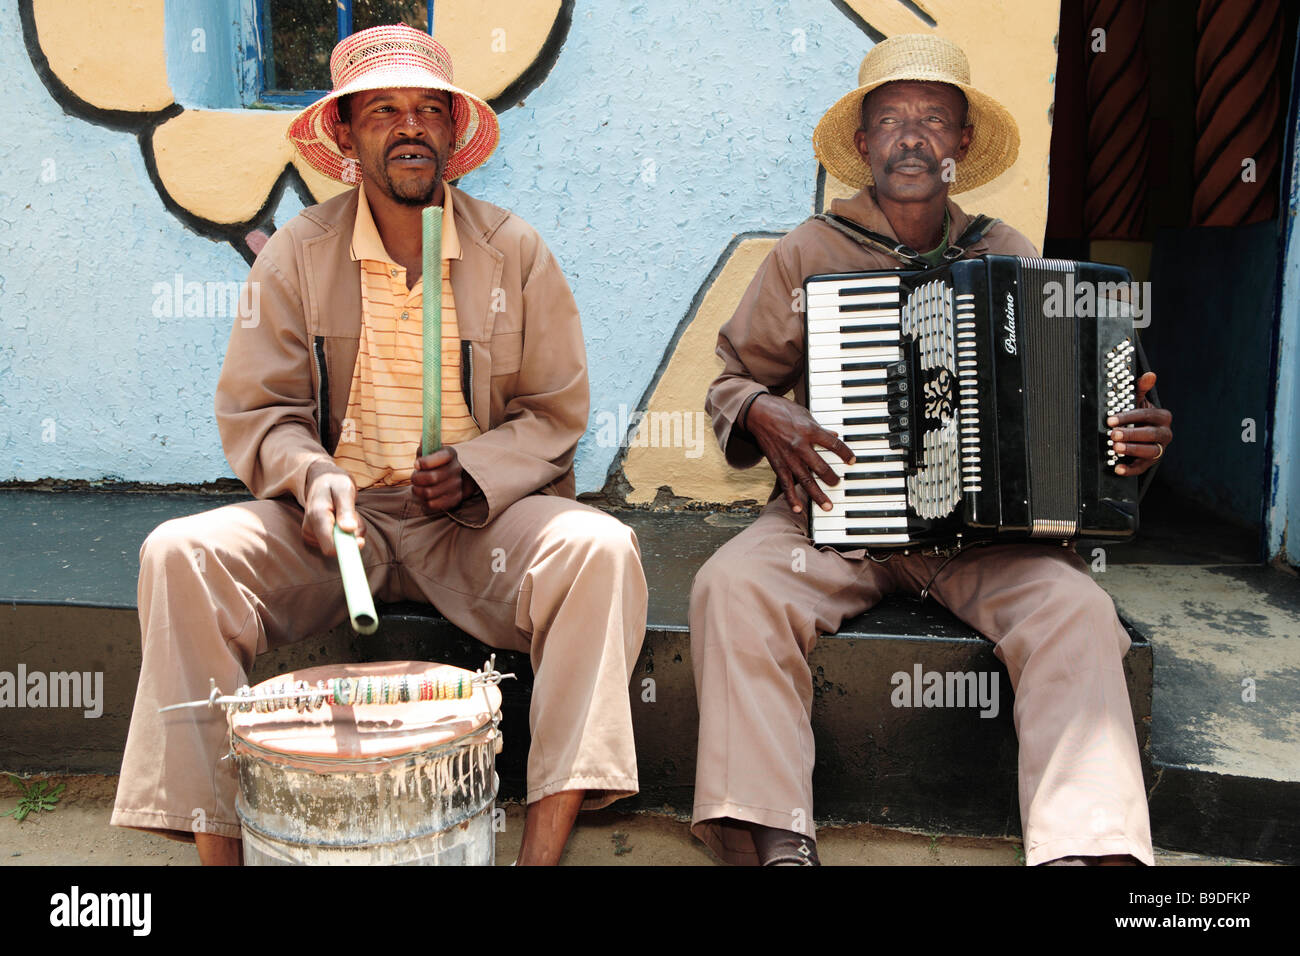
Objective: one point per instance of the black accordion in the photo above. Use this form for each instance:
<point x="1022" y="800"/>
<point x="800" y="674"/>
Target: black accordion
<point x="974" y="397"/>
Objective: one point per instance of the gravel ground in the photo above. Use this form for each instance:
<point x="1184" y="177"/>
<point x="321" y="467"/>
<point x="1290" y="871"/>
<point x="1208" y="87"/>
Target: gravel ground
<point x="77" y="833"/>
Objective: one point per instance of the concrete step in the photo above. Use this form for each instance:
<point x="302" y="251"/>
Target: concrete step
<point x="941" y="769"/>
<point x="945" y="769"/>
<point x="1225" y="732"/>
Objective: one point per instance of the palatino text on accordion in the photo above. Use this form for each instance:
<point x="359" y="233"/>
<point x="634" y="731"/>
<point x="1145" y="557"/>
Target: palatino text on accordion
<point x="974" y="397"/>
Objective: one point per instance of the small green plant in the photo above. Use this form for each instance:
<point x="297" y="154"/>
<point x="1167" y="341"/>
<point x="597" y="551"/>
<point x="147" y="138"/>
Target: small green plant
<point x="34" y="798"/>
<point x="1020" y="855"/>
<point x="620" y="844"/>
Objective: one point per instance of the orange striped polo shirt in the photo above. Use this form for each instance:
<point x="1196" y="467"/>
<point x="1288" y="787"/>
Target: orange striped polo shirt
<point x="381" y="431"/>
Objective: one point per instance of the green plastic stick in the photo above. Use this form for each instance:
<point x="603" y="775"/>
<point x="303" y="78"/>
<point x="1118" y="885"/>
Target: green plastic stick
<point x="361" y="605"/>
<point x="431" y="436"/>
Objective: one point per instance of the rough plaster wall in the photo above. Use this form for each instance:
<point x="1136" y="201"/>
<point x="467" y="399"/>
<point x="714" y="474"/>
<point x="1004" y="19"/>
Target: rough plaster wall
<point x="129" y="395"/>
<point x="194" y="81"/>
<point x="714" y="96"/>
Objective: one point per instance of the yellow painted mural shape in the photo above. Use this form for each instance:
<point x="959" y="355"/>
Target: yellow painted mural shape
<point x="220" y="165"/>
<point x="109" y="54"/>
<point x="1011" y="45"/>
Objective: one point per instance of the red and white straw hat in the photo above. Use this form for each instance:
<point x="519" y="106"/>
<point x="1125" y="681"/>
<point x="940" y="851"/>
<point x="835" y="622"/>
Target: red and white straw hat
<point x="385" y="58"/>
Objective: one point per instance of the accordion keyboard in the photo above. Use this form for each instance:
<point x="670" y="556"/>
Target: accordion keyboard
<point x="853" y="343"/>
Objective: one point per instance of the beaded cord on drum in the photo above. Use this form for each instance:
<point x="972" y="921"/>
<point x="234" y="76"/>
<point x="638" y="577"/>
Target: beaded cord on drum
<point x="348" y="691"/>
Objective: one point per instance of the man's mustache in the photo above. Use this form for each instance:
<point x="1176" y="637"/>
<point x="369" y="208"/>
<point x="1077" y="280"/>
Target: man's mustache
<point x="913" y="155"/>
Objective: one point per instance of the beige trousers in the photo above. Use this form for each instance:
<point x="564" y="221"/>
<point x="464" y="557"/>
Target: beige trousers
<point x="754" y="620"/>
<point x="550" y="577"/>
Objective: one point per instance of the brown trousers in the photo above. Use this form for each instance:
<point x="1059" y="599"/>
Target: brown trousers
<point x="754" y="620"/>
<point x="550" y="577"/>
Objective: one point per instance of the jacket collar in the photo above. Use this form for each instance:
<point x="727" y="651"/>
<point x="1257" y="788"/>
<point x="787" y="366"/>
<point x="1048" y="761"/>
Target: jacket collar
<point x="862" y="209"/>
<point x="368" y="244"/>
<point x="476" y="220"/>
<point x="332" y="292"/>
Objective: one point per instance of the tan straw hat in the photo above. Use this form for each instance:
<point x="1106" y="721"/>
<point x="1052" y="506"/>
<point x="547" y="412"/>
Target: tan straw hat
<point x="386" y="58"/>
<point x="995" y="140"/>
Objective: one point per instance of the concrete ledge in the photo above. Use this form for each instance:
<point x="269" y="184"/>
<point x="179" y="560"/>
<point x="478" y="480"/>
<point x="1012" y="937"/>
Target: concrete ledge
<point x="1227" y="814"/>
<point x="945" y="769"/>
<point x="939" y="769"/>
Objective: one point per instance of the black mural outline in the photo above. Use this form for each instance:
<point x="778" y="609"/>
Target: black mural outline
<point x="144" y="124"/>
<point x="537" y="71"/>
<point x="856" y="19"/>
<point x="876" y="36"/>
<point x="615" y="483"/>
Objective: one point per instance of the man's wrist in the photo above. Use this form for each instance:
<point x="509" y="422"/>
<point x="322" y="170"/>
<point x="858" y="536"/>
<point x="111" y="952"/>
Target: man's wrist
<point x="469" y="487"/>
<point x="315" y="470"/>
<point x="742" y="419"/>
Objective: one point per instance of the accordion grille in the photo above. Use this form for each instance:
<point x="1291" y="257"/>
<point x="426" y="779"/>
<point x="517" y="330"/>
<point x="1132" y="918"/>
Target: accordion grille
<point x="927" y="316"/>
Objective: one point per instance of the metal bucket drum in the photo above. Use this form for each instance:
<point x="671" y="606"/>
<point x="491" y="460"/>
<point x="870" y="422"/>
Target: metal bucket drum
<point x="382" y="784"/>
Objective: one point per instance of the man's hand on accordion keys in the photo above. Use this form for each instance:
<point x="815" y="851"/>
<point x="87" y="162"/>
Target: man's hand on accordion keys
<point x="1143" y="434"/>
<point x="789" y="436"/>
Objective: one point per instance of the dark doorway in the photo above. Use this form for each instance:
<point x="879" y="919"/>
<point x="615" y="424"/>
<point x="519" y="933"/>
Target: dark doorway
<point x="1168" y="154"/>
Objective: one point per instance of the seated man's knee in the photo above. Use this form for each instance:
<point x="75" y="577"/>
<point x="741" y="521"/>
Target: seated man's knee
<point x="723" y="583"/>
<point x="711" y="582"/>
<point x="1076" y="616"/>
<point x="1093" y="605"/>
<point x="173" y="546"/>
<point x="603" y="540"/>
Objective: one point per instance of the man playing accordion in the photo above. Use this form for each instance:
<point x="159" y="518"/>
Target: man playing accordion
<point x="914" y="131"/>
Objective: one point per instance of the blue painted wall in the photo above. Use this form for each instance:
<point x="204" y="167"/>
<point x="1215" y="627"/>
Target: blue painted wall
<point x="1283" y="515"/>
<point x="92" y="384"/>
<point x="209" y="68"/>
<point x="1284" y="478"/>
<point x="663" y="130"/>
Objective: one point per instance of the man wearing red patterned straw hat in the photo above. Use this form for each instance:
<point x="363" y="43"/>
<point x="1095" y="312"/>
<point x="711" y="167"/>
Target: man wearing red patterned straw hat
<point x="914" y="131"/>
<point x="319" y="409"/>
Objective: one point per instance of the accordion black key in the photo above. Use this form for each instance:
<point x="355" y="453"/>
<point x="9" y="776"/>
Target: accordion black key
<point x="974" y="397"/>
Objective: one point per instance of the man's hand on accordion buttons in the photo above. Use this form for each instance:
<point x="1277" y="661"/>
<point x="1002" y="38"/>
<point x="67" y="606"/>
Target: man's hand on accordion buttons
<point x="1143" y="434"/>
<point x="789" y="437"/>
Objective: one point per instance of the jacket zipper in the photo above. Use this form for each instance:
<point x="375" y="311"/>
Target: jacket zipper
<point x="467" y="375"/>
<point x="323" y="397"/>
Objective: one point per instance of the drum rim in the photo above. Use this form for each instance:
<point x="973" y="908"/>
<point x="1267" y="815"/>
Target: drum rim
<point x="486" y="719"/>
